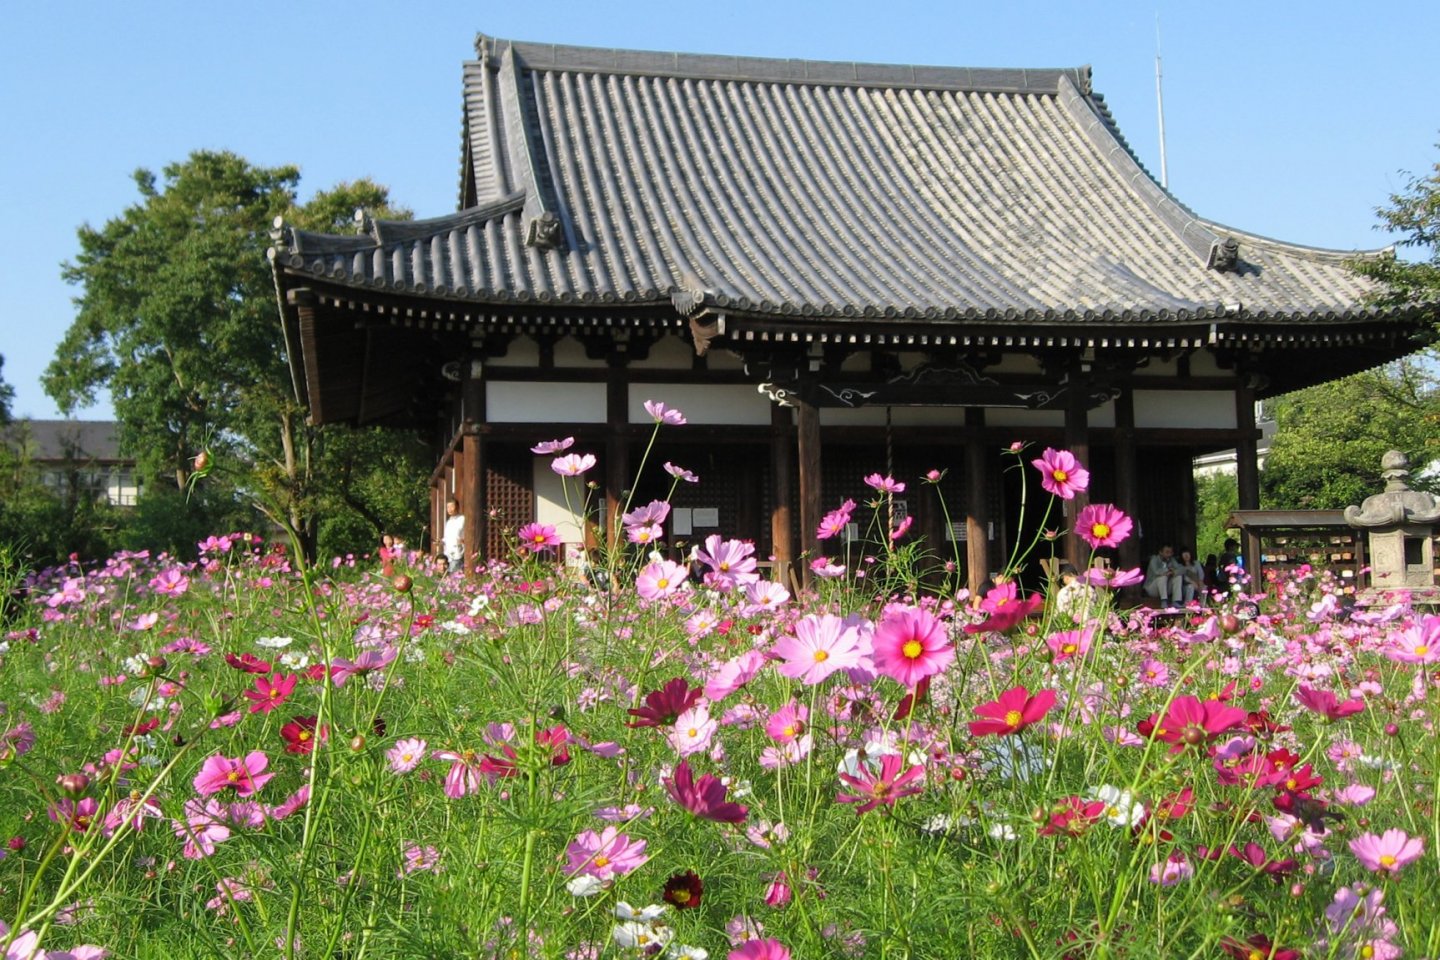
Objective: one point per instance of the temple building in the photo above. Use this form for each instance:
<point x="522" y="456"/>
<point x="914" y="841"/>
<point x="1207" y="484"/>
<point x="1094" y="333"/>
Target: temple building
<point x="832" y="269"/>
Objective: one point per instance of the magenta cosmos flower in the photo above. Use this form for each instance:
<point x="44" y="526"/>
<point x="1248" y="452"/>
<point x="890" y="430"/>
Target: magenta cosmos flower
<point x="884" y="484"/>
<point x="909" y="645"/>
<point x="604" y="855"/>
<point x="1061" y="474"/>
<point x="680" y="473"/>
<point x="1193" y="722"/>
<point x="1069" y="643"/>
<point x="886" y="785"/>
<point x="705" y="798"/>
<point x="660" y="579"/>
<point x="1388" y="852"/>
<point x="1103" y="525"/>
<point x="1011" y="712"/>
<point x="270" y="692"/>
<point x="730" y="561"/>
<point x="821" y="645"/>
<point x="1326" y="703"/>
<point x="536" y="537"/>
<point x="759" y="950"/>
<point x="547" y="447"/>
<point x="244" y="776"/>
<point x="834" y="522"/>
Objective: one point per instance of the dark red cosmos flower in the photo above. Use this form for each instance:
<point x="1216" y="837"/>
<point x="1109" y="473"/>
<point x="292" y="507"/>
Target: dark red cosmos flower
<point x="1260" y="724"/>
<point x="704" y="797"/>
<point x="1255" y="855"/>
<point x="143" y="727"/>
<point x="1327" y="704"/>
<point x="551" y="743"/>
<point x="913" y="699"/>
<point x="1008" y="616"/>
<point x="1256" y="947"/>
<point x="1192" y="722"/>
<point x="664" y="705"/>
<point x="299" y="735"/>
<point x="1072" y="817"/>
<point x="247" y="663"/>
<point x="683" y="890"/>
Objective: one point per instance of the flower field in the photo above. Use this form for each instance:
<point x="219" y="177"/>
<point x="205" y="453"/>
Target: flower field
<point x="236" y="758"/>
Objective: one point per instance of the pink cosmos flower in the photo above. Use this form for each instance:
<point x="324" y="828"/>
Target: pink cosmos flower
<point x="1067" y="644"/>
<point x="787" y="723"/>
<point x="1193" y="722"/>
<point x="902" y="528"/>
<point x="573" y="464"/>
<point x="821" y="645"/>
<point x="733" y="674"/>
<point x="1061" y="474"/>
<point x="886" y="785"/>
<point x="244" y="776"/>
<point x="705" y="798"/>
<point x="605" y="855"/>
<point x="1326" y="703"/>
<point x="660" y="413"/>
<point x="1419" y="643"/>
<point x="731" y="563"/>
<point x="763" y="595"/>
<point x="1171" y="870"/>
<point x="1114" y="579"/>
<point x="270" y="692"/>
<point x="759" y="950"/>
<point x="645" y="534"/>
<point x="824" y="568"/>
<point x="692" y="731"/>
<point x="406" y="754"/>
<point x="203" y="828"/>
<point x="680" y="473"/>
<point x="1103" y="525"/>
<point x="1011" y="712"/>
<point x="834" y="522"/>
<point x="463" y="777"/>
<point x="910" y="644"/>
<point x="1389" y="852"/>
<point x="653" y="512"/>
<point x="886" y="484"/>
<point x="536" y="537"/>
<point x="660" y="579"/>
<point x="369" y="661"/>
<point x="170" y="582"/>
<point x="547" y="447"/>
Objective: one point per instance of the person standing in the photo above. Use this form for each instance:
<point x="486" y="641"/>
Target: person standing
<point x="1163" y="578"/>
<point x="454" y="539"/>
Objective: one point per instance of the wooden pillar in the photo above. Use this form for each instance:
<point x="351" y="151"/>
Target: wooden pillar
<point x="807" y="437"/>
<point x="1247" y="461"/>
<point x="1077" y="441"/>
<point x="782" y="468"/>
<point x="617" y="451"/>
<point x="437" y="510"/>
<point x="472" y="493"/>
<point x="1127" y="489"/>
<point x="977" y="501"/>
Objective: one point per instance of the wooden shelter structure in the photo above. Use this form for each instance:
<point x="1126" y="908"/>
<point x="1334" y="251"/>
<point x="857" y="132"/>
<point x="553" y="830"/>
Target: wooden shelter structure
<point x="832" y="269"/>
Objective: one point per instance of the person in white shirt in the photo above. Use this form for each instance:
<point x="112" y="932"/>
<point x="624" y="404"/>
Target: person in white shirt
<point x="1162" y="576"/>
<point x="454" y="539"/>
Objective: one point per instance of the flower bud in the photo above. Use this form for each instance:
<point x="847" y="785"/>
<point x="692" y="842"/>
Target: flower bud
<point x="402" y="583"/>
<point x="357" y="743"/>
<point x="73" y="784"/>
<point x="1392" y="729"/>
<point x="156" y="664"/>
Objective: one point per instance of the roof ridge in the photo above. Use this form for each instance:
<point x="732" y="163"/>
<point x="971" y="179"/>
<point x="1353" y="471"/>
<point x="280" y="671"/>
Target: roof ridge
<point x="550" y="56"/>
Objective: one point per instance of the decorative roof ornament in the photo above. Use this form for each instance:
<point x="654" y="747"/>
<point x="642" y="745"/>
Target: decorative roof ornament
<point x="1224" y="255"/>
<point x="1398" y="504"/>
<point x="543" y="231"/>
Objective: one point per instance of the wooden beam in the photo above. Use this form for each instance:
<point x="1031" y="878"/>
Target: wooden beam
<point x="1127" y="489"/>
<point x="977" y="501"/>
<point x="807" y="436"/>
<point x="472" y="499"/>
<point x="617" y="451"/>
<point x="782" y="468"/>
<point x="1247" y="461"/>
<point x="1077" y="441"/>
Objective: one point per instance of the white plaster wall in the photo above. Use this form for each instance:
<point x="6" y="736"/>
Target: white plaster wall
<point x="1016" y="417"/>
<point x="1185" y="408"/>
<point x="723" y="360"/>
<point x="702" y="403"/>
<point x="550" y="501"/>
<point x="570" y="352"/>
<point x="668" y="353"/>
<point x="899" y="416"/>
<point x="1103" y="415"/>
<point x="522" y="402"/>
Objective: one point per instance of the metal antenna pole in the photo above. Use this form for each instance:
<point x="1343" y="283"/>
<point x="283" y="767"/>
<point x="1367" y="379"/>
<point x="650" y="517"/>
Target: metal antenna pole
<point x="1160" y="107"/>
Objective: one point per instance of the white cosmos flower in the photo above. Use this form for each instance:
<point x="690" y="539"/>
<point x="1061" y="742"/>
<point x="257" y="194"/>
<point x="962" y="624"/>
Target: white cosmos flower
<point x="1001" y="831"/>
<point x="648" y="914"/>
<point x="1121" y="807"/>
<point x="585" y="885"/>
<point x="274" y="643"/>
<point x="640" y="936"/>
<point x="294" y="659"/>
<point x="680" y="951"/>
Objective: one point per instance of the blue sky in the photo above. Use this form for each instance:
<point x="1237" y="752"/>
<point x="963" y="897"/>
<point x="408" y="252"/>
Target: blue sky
<point x="1286" y="119"/>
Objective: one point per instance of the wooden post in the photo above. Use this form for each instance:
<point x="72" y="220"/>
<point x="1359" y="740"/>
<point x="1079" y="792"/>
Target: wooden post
<point x="807" y="436"/>
<point x="782" y="467"/>
<point x="977" y="501"/>
<point x="1126" y="476"/>
<point x="1077" y="441"/>
<point x="474" y="503"/>
<point x="1247" y="461"/>
<point x="617" y="452"/>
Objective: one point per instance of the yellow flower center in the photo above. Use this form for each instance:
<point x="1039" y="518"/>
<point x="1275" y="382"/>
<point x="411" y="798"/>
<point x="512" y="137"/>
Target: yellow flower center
<point x="1013" y="718"/>
<point x="692" y="733"/>
<point x="681" y="896"/>
<point x="1421" y="650"/>
<point x="1060" y="475"/>
<point x="539" y="538"/>
<point x="602" y="861"/>
<point x="662" y="583"/>
<point x="789" y="730"/>
<point x="1367" y="951"/>
<point x="912" y="649"/>
<point x="406" y="757"/>
<point x="821" y="656"/>
<point x="303" y="736"/>
<point x="724" y="567"/>
<point x="1100" y="531"/>
<point x="1386" y="860"/>
<point x="233" y="776"/>
<point x="1069" y="648"/>
<point x="1255" y="955"/>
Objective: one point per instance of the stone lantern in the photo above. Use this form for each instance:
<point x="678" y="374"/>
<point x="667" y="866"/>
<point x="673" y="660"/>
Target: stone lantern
<point x="1400" y="525"/>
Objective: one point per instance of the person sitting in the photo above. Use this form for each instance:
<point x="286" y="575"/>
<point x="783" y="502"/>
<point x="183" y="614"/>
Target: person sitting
<point x="1163" y="578"/>
<point x="1193" y="577"/>
<point x="1075" y="596"/>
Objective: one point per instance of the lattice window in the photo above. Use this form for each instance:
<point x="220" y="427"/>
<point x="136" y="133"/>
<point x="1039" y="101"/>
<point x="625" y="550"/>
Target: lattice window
<point x="508" y="494"/>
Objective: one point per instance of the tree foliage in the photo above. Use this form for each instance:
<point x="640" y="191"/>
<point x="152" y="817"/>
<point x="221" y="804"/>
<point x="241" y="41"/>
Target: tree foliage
<point x="1415" y="213"/>
<point x="1330" y="438"/>
<point x="7" y="396"/>
<point x="1216" y="496"/>
<point x="177" y="318"/>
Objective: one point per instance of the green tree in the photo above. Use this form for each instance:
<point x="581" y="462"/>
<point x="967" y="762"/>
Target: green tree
<point x="1330" y="438"/>
<point x="7" y="396"/>
<point x="1216" y="496"/>
<point x="177" y="318"/>
<point x="1414" y="213"/>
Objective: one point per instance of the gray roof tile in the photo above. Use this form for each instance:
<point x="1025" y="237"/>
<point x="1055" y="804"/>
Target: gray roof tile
<point x="792" y="187"/>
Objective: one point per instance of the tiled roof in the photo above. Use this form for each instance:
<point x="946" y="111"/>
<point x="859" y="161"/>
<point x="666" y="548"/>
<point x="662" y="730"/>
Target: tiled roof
<point x="790" y="188"/>
<point x="67" y="440"/>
